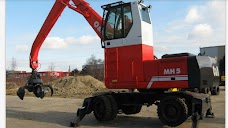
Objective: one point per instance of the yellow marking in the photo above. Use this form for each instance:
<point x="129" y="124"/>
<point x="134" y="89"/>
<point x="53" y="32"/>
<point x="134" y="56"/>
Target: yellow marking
<point x="174" y="89"/>
<point x="222" y="78"/>
<point x="114" y="81"/>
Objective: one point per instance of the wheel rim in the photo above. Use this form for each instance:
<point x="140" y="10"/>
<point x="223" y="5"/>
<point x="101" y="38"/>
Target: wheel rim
<point x="99" y="108"/>
<point x="171" y="112"/>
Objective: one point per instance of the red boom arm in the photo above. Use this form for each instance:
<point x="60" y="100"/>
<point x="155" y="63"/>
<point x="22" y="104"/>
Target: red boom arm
<point x="80" y="6"/>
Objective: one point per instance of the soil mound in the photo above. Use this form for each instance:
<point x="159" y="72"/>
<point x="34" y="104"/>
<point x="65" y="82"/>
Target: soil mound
<point x="69" y="86"/>
<point x="72" y="86"/>
<point x="11" y="88"/>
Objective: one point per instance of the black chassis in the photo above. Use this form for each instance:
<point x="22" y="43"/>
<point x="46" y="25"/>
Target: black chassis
<point x="199" y="104"/>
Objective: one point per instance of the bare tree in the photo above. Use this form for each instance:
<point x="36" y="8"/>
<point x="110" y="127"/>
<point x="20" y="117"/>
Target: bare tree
<point x="51" y="67"/>
<point x="94" y="67"/>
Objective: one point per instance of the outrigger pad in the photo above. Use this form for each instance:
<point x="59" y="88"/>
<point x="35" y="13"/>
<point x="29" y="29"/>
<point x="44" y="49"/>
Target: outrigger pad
<point x="81" y="112"/>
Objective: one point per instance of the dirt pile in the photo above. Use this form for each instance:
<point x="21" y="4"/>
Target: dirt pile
<point x="72" y="86"/>
<point x="11" y="88"/>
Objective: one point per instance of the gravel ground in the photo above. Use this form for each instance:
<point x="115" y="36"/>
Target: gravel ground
<point x="58" y="112"/>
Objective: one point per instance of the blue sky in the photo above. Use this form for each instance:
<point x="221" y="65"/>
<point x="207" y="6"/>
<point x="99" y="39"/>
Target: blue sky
<point x="178" y="26"/>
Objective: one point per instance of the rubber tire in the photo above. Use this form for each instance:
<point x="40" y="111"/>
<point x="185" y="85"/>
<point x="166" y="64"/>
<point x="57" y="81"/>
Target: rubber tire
<point x="180" y="107"/>
<point x="215" y="90"/>
<point x="205" y="90"/>
<point x="102" y="108"/>
<point x="114" y="107"/>
<point x="131" y="109"/>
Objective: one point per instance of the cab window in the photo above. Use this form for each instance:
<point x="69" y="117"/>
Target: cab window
<point x="118" y="22"/>
<point x="145" y="14"/>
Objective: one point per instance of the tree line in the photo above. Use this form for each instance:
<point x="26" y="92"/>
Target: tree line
<point x="93" y="66"/>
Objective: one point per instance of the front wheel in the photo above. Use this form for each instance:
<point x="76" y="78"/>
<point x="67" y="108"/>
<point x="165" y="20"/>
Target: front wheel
<point x="172" y="111"/>
<point x="102" y="108"/>
<point x="114" y="107"/>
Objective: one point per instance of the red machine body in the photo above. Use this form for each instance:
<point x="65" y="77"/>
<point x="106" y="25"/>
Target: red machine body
<point x="129" y="59"/>
<point x="166" y="73"/>
<point x="154" y="74"/>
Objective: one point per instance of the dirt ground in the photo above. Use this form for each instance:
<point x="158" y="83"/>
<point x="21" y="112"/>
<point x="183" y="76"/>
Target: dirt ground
<point x="53" y="112"/>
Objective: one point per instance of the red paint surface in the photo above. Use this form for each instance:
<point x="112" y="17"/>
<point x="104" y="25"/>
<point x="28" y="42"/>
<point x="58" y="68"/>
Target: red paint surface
<point x="124" y="65"/>
<point x="133" y="67"/>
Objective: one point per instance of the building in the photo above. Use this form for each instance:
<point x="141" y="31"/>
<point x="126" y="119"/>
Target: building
<point x="52" y="74"/>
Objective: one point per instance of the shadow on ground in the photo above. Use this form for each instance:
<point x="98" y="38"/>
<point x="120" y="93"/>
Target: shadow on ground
<point x="64" y="119"/>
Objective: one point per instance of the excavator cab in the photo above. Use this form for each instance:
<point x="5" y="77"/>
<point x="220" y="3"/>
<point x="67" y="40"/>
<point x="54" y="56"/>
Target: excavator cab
<point x="126" y="24"/>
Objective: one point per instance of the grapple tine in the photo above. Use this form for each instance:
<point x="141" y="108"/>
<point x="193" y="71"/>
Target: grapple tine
<point x="21" y="92"/>
<point x="46" y="89"/>
<point x="39" y="91"/>
<point x="52" y="90"/>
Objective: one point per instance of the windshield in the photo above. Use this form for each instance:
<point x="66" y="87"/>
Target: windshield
<point x="118" y="22"/>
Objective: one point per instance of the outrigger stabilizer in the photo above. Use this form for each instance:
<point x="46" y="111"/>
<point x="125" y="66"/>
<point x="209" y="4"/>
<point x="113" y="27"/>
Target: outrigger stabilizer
<point x="34" y="84"/>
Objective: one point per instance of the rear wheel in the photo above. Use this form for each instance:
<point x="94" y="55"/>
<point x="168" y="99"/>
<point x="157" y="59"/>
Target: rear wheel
<point x="102" y="108"/>
<point x="215" y="90"/>
<point x="114" y="107"/>
<point x="131" y="109"/>
<point x="172" y="111"/>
